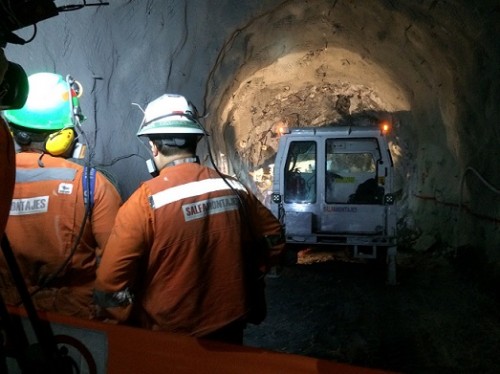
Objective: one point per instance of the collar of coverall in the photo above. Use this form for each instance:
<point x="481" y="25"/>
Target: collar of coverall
<point x="182" y="161"/>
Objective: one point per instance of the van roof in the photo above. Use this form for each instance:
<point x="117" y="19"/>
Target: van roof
<point x="347" y="131"/>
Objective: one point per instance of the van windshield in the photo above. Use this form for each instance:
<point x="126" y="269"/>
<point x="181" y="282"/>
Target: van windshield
<point x="351" y="171"/>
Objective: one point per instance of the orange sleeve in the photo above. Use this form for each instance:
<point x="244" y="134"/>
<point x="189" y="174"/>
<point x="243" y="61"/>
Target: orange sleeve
<point x="117" y="272"/>
<point x="268" y="231"/>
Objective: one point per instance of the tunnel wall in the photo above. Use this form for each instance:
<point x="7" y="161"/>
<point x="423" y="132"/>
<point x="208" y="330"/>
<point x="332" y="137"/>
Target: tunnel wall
<point x="431" y="51"/>
<point x="443" y="55"/>
<point x="131" y="52"/>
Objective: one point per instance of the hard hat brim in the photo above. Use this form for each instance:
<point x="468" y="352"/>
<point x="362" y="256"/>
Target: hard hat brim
<point x="171" y="127"/>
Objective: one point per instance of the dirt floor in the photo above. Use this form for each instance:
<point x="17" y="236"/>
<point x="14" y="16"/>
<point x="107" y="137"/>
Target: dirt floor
<point x="442" y="317"/>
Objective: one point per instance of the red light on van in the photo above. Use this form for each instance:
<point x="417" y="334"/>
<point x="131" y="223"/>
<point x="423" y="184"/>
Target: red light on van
<point x="282" y="130"/>
<point x="385" y="127"/>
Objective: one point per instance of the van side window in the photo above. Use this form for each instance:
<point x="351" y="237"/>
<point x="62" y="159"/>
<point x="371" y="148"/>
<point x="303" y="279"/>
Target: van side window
<point x="300" y="173"/>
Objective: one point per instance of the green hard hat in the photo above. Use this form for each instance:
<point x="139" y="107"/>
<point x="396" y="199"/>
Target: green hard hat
<point x="51" y="104"/>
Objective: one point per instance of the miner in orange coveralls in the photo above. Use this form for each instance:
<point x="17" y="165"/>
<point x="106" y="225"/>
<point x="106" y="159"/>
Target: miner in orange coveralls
<point x="190" y="247"/>
<point x="7" y="155"/>
<point x="62" y="212"/>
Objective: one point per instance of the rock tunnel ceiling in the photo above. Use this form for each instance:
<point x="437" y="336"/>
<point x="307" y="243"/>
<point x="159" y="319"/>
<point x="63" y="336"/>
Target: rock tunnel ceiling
<point x="296" y="91"/>
<point x="337" y="59"/>
<point x="430" y="66"/>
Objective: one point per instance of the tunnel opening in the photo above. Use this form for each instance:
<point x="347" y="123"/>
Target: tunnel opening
<point x="304" y="65"/>
<point x="275" y="97"/>
<point x="308" y="79"/>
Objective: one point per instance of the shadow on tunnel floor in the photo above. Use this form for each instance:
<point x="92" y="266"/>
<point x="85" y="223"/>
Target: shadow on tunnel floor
<point x="435" y="320"/>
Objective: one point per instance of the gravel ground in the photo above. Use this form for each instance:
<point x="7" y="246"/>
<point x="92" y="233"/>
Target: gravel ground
<point x="442" y="317"/>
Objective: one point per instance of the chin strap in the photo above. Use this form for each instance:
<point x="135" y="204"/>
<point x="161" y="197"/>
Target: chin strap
<point x="182" y="161"/>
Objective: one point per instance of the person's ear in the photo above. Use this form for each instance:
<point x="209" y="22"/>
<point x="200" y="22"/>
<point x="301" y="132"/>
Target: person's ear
<point x="154" y="148"/>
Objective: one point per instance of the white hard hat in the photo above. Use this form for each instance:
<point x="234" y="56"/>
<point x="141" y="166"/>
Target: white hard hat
<point x="170" y="114"/>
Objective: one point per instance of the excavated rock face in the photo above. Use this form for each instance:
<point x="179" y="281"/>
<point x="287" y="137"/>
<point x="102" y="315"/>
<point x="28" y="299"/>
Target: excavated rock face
<point x="431" y="67"/>
<point x="261" y="112"/>
<point x="304" y="64"/>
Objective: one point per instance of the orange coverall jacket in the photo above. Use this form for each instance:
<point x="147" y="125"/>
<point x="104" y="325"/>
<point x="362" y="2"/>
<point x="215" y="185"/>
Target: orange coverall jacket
<point x="46" y="215"/>
<point x="175" y="255"/>
<point x="8" y="170"/>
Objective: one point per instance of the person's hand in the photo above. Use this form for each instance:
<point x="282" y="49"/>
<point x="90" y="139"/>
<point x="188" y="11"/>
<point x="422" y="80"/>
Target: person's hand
<point x="3" y="65"/>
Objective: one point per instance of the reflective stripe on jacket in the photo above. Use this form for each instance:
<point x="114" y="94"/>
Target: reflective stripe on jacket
<point x="47" y="212"/>
<point x="177" y="243"/>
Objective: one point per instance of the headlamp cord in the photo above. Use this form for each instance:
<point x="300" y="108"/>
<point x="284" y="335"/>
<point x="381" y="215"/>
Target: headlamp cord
<point x="223" y="177"/>
<point x="87" y="197"/>
<point x="254" y="277"/>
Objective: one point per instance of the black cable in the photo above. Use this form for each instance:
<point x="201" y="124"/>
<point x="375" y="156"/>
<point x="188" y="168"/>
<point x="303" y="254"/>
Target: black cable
<point x="35" y="31"/>
<point x="15" y="337"/>
<point x="254" y="277"/>
<point x="223" y="177"/>
<point x="71" y="7"/>
<point x="54" y="275"/>
<point x="119" y="158"/>
<point x="41" y="329"/>
<point x="88" y="212"/>
<point x="86" y="198"/>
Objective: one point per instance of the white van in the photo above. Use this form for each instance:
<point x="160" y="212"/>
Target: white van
<point x="334" y="186"/>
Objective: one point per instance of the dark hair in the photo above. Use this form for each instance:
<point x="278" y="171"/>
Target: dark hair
<point x="24" y="136"/>
<point x="171" y="145"/>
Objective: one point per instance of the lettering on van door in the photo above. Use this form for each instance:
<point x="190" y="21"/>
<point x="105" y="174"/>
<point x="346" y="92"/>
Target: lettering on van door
<point x="339" y="209"/>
